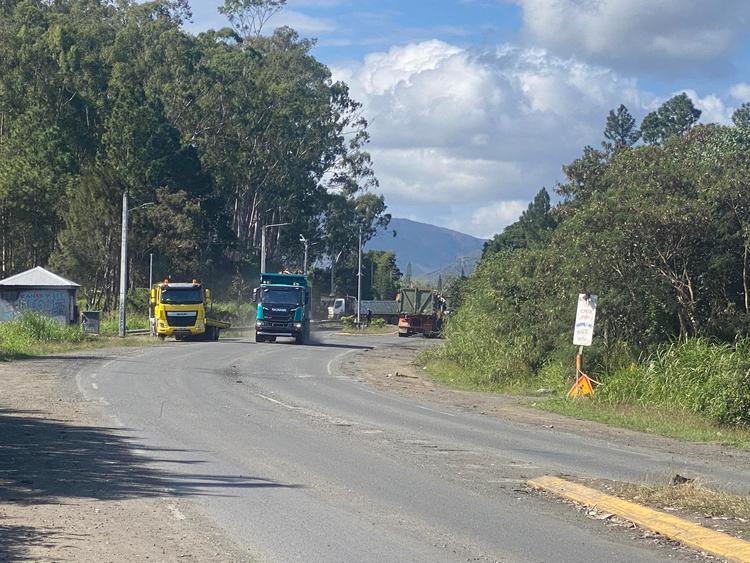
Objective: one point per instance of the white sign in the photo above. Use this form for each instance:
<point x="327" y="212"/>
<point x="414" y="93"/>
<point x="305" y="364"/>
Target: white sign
<point x="583" y="333"/>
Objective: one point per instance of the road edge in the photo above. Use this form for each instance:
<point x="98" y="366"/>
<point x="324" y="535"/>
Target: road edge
<point x="668" y="525"/>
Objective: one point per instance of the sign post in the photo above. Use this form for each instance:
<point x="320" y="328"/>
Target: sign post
<point x="583" y="335"/>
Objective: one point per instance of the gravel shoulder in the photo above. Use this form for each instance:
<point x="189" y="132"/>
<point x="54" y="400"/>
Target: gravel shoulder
<point x="71" y="486"/>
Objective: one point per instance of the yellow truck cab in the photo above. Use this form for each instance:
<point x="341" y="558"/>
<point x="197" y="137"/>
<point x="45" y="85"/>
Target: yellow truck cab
<point x="179" y="310"/>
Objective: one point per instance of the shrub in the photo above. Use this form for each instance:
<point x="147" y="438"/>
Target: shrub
<point x="377" y="322"/>
<point x="348" y="320"/>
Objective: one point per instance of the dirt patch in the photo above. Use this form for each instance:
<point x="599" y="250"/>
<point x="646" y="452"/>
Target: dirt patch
<point x="71" y="487"/>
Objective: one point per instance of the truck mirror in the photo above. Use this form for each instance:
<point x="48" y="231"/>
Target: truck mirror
<point x="255" y="295"/>
<point x="152" y="296"/>
<point x="207" y="296"/>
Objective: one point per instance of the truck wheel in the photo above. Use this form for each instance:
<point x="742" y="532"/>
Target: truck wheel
<point x="259" y="338"/>
<point x="299" y="339"/>
<point x="403" y="334"/>
<point x="217" y="331"/>
<point x="162" y="337"/>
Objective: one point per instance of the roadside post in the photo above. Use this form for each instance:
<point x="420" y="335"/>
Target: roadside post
<point x="583" y="335"/>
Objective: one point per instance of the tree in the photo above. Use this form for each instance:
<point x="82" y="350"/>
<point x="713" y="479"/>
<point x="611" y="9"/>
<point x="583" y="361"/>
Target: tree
<point x="621" y="131"/>
<point x="675" y="117"/>
<point x="248" y="17"/>
<point x="531" y="228"/>
<point x="741" y="116"/>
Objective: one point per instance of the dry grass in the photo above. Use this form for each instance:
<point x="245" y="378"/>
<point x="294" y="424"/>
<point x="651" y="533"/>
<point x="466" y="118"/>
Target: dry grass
<point x="690" y="497"/>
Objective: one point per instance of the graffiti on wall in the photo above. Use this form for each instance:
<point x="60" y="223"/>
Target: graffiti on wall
<point x="53" y="303"/>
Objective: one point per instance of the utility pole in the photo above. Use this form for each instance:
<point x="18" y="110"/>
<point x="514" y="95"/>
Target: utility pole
<point x="263" y="244"/>
<point x="123" y="263"/>
<point x="124" y="259"/>
<point x="359" y="278"/>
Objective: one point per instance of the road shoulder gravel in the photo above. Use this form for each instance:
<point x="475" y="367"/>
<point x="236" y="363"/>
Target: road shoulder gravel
<point x="71" y="487"/>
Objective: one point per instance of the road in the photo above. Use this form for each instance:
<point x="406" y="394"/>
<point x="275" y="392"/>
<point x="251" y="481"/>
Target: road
<point x="297" y="461"/>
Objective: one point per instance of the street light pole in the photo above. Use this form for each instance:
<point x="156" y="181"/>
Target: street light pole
<point x="359" y="278"/>
<point x="263" y="244"/>
<point x="124" y="259"/>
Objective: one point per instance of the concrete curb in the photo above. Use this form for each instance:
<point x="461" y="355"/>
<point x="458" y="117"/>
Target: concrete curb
<point x="672" y="527"/>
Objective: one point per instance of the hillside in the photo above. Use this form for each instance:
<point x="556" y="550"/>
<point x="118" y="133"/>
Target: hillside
<point x="429" y="248"/>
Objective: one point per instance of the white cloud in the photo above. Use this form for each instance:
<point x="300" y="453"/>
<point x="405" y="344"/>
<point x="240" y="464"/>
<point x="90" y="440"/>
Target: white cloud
<point x="664" y="36"/>
<point x="741" y="92"/>
<point x="467" y="137"/>
<point x="302" y="23"/>
<point x="492" y="218"/>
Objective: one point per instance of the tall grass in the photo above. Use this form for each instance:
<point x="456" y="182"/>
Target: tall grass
<point x="24" y="335"/>
<point x="698" y="376"/>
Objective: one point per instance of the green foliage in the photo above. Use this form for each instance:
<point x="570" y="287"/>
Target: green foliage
<point x="29" y="330"/>
<point x="661" y="233"/>
<point x="698" y="376"/>
<point x="675" y="117"/>
<point x="377" y="322"/>
<point x="621" y="131"/>
<point x="224" y="132"/>
<point x="532" y="228"/>
<point x="348" y="320"/>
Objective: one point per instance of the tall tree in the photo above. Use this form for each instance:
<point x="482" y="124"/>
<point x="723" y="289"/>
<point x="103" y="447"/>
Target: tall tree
<point x="248" y="17"/>
<point x="675" y="117"/>
<point x="621" y="130"/>
<point x="532" y="227"/>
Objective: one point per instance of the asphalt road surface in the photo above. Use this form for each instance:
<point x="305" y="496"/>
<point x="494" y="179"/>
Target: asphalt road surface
<point x="297" y="461"/>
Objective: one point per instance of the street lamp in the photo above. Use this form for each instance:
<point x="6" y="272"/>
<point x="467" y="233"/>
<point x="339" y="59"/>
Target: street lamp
<point x="307" y="244"/>
<point x="124" y="257"/>
<point x="263" y="244"/>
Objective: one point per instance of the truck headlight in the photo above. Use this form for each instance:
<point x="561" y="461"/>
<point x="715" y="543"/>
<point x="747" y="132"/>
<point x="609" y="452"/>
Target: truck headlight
<point x="259" y="324"/>
<point x="297" y="325"/>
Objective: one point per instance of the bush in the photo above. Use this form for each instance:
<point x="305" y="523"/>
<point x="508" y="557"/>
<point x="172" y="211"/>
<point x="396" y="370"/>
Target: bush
<point x="377" y="323"/>
<point x="348" y="320"/>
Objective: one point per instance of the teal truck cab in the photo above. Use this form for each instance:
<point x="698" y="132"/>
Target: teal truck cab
<point x="283" y="308"/>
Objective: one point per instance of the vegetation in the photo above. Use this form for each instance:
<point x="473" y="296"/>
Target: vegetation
<point x="661" y="232"/>
<point x="31" y="333"/>
<point x="224" y="132"/>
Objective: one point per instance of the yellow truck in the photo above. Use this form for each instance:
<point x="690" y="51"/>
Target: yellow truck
<point x="179" y="310"/>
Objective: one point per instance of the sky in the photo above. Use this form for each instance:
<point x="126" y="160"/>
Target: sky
<point x="474" y="105"/>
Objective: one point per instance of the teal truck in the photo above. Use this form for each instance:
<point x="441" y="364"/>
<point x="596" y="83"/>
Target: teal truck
<point x="283" y="308"/>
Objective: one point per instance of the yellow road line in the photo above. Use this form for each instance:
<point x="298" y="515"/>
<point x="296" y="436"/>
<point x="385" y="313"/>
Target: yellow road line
<point x="689" y="533"/>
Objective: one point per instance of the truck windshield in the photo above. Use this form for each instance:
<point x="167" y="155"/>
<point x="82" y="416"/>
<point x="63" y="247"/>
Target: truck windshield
<point x="182" y="296"/>
<point x="276" y="296"/>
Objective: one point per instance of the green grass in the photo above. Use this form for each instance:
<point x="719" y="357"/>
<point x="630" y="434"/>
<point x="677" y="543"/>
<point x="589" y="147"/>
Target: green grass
<point x="453" y="375"/>
<point x="696" y="391"/>
<point x="32" y="334"/>
<point x="110" y="326"/>
<point x="651" y="420"/>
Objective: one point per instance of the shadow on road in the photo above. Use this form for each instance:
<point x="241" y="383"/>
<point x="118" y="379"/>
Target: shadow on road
<point x="44" y="460"/>
<point x="14" y="540"/>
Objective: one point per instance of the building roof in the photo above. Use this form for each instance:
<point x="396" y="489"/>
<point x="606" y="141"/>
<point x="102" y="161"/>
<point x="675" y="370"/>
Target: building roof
<point x="37" y="277"/>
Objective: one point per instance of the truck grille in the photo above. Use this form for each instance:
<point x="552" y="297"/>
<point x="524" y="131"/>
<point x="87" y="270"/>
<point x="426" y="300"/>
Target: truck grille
<point x="283" y="316"/>
<point x="182" y="318"/>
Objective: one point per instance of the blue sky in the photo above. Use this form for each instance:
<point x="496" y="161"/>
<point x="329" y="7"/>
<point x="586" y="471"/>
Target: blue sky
<point x="474" y="105"/>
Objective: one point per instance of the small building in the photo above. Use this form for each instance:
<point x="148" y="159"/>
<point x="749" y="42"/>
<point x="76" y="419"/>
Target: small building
<point x="41" y="291"/>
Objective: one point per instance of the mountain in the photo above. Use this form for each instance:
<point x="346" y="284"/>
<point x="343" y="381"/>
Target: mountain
<point x="430" y="249"/>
